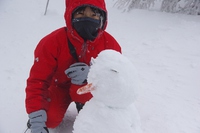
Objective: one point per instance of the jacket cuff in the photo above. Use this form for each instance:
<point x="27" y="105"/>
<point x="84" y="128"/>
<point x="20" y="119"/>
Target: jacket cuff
<point x="79" y="98"/>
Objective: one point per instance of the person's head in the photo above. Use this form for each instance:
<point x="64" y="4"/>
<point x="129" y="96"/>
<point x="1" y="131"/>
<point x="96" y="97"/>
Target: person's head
<point x="86" y="18"/>
<point x="87" y="11"/>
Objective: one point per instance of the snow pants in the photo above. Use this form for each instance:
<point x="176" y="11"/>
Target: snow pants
<point x="60" y="99"/>
<point x="59" y="102"/>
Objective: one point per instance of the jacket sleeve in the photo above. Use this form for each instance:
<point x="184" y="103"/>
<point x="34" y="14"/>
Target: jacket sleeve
<point x="41" y="74"/>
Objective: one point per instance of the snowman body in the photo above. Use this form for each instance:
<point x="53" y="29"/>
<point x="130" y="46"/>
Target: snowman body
<point x="99" y="118"/>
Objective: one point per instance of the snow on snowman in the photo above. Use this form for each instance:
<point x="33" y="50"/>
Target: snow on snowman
<point x="112" y="80"/>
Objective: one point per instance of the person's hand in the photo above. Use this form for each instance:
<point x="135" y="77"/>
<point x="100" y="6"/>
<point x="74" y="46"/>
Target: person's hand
<point x="78" y="73"/>
<point x="37" y="122"/>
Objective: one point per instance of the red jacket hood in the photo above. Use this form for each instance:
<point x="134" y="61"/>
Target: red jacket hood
<point x="71" y="5"/>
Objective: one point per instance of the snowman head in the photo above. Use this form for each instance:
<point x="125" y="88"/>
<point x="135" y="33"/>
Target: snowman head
<point x="113" y="78"/>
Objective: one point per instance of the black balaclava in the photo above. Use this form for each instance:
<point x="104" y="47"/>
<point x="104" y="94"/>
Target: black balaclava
<point x="87" y="27"/>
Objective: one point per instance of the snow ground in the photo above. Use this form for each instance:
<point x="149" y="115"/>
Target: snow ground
<point x="164" y="48"/>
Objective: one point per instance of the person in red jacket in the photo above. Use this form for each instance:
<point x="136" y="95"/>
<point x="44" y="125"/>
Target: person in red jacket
<point x="61" y="63"/>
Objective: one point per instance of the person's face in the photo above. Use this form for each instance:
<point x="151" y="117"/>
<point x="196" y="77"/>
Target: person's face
<point x="87" y="12"/>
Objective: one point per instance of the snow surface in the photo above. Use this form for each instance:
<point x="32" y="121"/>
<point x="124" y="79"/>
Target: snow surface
<point x="165" y="49"/>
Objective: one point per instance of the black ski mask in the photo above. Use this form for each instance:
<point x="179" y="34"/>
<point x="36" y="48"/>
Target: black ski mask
<point x="86" y="27"/>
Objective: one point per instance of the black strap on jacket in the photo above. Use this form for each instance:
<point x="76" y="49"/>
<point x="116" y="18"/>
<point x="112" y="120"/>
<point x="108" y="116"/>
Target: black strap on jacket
<point x="72" y="50"/>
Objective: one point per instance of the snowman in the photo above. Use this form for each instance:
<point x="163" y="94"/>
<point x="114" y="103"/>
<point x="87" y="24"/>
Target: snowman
<point x="112" y="80"/>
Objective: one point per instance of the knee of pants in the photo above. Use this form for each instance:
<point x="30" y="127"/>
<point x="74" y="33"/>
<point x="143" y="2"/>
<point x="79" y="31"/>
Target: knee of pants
<point x="55" y="115"/>
<point x="53" y="120"/>
<point x="58" y="105"/>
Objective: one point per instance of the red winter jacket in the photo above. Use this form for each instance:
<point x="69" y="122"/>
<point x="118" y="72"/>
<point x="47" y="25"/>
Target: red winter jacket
<point x="52" y="58"/>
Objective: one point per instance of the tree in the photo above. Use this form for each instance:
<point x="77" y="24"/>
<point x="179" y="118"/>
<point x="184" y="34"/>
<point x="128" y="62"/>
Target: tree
<point x="174" y="6"/>
<point x="128" y="5"/>
<point x="191" y="7"/>
<point x="169" y="5"/>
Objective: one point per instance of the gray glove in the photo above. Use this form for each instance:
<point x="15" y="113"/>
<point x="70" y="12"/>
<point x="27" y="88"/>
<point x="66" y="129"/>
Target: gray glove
<point x="37" y="122"/>
<point x="78" y="73"/>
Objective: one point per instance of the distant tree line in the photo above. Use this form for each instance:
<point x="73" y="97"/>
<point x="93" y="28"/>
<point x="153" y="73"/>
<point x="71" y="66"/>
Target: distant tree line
<point x="174" y="6"/>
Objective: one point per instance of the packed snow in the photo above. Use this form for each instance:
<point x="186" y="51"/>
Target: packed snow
<point x="163" y="47"/>
<point x="108" y="71"/>
<point x="111" y="110"/>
